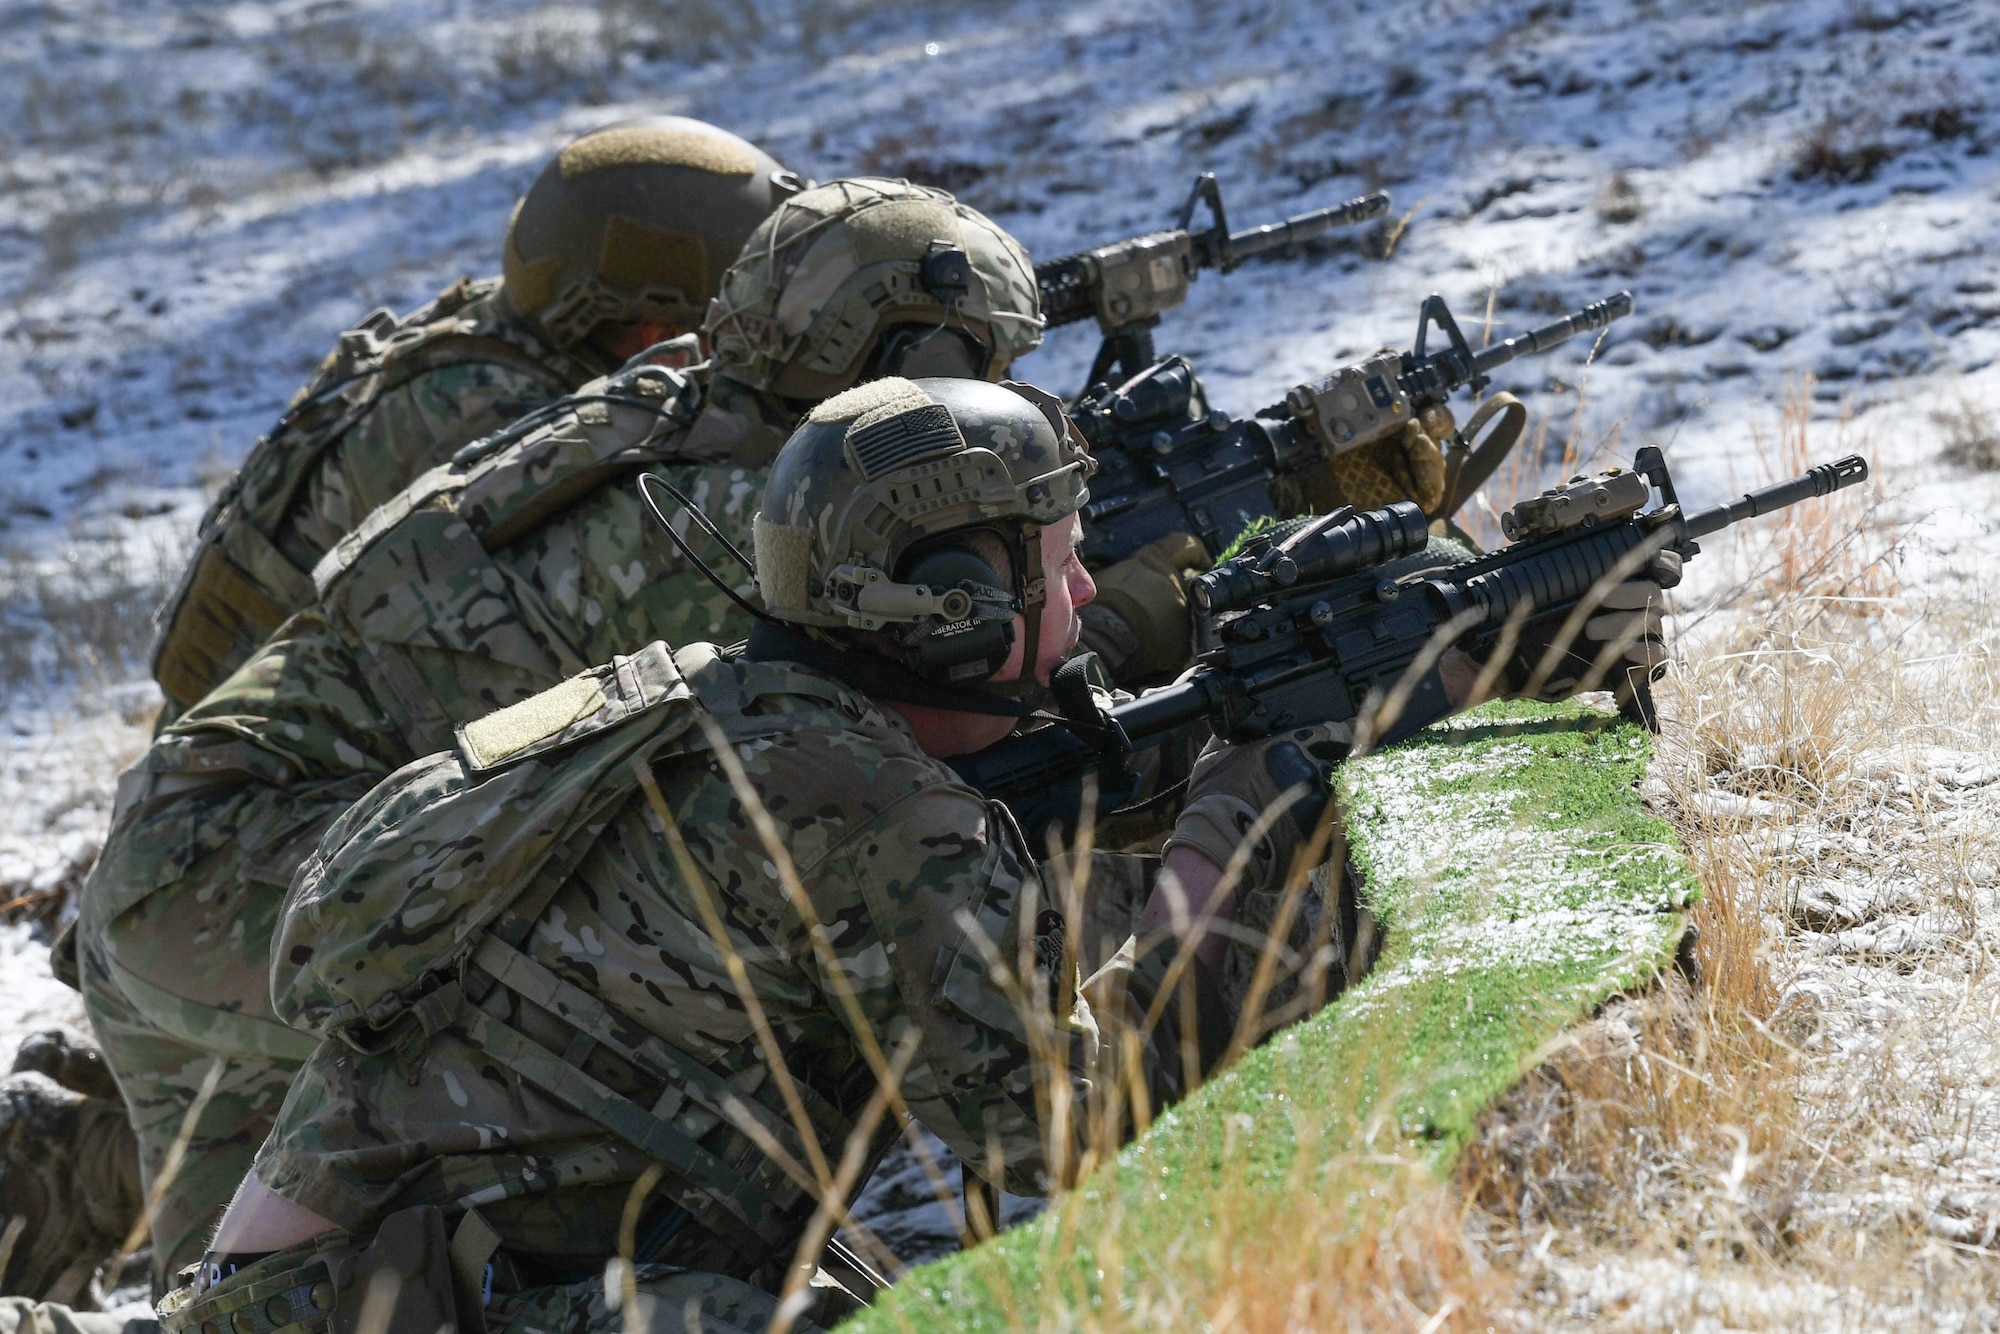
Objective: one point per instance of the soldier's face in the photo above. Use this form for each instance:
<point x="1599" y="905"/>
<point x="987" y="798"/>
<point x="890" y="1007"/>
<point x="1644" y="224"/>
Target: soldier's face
<point x="1069" y="587"/>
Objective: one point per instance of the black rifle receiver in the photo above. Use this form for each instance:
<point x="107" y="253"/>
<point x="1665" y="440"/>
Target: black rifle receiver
<point x="1168" y="464"/>
<point x="1126" y="286"/>
<point x="1311" y="629"/>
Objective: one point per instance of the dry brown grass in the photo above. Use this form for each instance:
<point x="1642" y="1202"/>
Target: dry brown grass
<point x="1789" y="1145"/>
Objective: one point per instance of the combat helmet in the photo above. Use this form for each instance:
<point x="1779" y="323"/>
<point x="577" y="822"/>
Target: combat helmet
<point x="865" y="277"/>
<point x="870" y="503"/>
<point x="636" y="221"/>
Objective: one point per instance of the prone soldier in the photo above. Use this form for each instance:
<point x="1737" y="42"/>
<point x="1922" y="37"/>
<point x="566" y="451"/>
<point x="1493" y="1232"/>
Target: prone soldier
<point x="485" y="582"/>
<point x="692" y="927"/>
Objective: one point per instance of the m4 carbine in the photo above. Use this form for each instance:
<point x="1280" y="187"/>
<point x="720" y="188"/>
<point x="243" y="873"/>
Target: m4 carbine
<point x="1311" y="629"/>
<point x="1168" y="464"/>
<point x="1126" y="285"/>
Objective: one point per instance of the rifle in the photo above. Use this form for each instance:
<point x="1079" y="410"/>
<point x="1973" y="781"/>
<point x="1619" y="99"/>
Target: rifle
<point x="1312" y="629"/>
<point x="1168" y="464"/>
<point x="1126" y="285"/>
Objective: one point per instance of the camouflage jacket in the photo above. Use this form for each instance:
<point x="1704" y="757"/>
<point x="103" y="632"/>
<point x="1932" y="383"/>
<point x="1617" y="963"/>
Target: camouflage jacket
<point x="491" y="578"/>
<point x="915" y="910"/>
<point x="485" y="582"/>
<point x="394" y="397"/>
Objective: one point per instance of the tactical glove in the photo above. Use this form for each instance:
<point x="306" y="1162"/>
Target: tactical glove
<point x="1620" y="646"/>
<point x="1138" y="624"/>
<point x="1233" y="784"/>
<point x="1408" y="465"/>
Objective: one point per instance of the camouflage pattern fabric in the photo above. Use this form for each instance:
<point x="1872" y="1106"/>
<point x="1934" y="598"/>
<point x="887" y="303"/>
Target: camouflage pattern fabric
<point x="421" y="629"/>
<point x="415" y="426"/>
<point x="928" y="904"/>
<point x="667" y="1299"/>
<point x="322" y="1271"/>
<point x="53" y="1139"/>
<point x="394" y="397"/>
<point x="19" y="1315"/>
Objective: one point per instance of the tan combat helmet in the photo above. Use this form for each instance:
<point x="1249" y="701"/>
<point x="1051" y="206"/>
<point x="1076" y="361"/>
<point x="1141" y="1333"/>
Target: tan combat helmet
<point x="636" y="221"/>
<point x="867" y="277"/>
<point x="870" y="504"/>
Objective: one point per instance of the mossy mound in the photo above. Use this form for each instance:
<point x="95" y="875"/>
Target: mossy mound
<point x="1518" y="882"/>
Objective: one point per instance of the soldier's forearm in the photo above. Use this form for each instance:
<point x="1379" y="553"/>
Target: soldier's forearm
<point x="1186" y="898"/>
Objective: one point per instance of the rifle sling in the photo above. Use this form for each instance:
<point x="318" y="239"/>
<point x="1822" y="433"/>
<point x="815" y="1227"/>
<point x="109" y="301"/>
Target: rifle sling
<point x="878" y="677"/>
<point x="716" y="1194"/>
<point x="600" y="1025"/>
<point x="1476" y="466"/>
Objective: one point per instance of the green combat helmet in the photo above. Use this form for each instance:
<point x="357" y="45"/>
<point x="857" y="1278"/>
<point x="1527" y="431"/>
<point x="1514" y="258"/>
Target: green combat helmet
<point x="906" y="280"/>
<point x="870" y="515"/>
<point x="636" y="222"/>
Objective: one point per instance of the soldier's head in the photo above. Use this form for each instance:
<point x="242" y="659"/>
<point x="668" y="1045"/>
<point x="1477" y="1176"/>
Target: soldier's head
<point x="934" y="521"/>
<point x="863" y="278"/>
<point x="624" y="237"/>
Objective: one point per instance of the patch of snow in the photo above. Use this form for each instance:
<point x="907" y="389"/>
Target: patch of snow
<point x="194" y="199"/>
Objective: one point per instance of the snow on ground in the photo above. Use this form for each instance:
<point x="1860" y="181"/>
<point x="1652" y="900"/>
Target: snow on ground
<point x="195" y="197"/>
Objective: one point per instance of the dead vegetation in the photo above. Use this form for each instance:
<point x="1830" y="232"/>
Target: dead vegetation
<point x="1802" y="1141"/>
<point x="1971" y="435"/>
<point x="88" y="619"/>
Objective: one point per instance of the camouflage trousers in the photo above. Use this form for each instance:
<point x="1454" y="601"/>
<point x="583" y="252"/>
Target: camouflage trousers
<point x="21" y="1315"/>
<point x="668" y="1301"/>
<point x="294" y="1292"/>
<point x="177" y="987"/>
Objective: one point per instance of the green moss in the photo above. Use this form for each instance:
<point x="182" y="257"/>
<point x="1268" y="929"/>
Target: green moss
<point x="1263" y="523"/>
<point x="1519" y="883"/>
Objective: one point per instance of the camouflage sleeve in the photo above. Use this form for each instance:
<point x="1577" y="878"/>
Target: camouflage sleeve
<point x="947" y="939"/>
<point x="606" y="569"/>
<point x="412" y="427"/>
<point x="305" y="699"/>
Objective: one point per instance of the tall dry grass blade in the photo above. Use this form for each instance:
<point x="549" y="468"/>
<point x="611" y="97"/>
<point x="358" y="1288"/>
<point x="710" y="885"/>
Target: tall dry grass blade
<point x="625" y="1283"/>
<point x="834" y="971"/>
<point x="739" y="976"/>
<point x="170" y="1168"/>
<point x="854" y="1160"/>
<point x="821" y="1179"/>
<point x="16" y="1225"/>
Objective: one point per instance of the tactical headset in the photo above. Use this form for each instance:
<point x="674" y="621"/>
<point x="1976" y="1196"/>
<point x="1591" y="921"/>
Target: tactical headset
<point x="967" y="641"/>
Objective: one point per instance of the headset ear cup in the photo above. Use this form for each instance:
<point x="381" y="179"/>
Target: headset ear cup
<point x="964" y="652"/>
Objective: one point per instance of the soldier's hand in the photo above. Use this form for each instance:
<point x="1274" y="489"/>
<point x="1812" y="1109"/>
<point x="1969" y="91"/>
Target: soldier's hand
<point x="1620" y="645"/>
<point x="1138" y="624"/>
<point x="1233" y="785"/>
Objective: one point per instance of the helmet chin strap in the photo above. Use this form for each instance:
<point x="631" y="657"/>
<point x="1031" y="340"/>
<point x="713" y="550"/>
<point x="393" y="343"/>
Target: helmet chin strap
<point x="1034" y="585"/>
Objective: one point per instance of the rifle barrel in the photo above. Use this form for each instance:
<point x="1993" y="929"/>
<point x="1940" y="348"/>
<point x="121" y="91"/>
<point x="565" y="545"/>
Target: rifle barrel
<point x="1824" y="480"/>
<point x="1593" y="316"/>
<point x="1304" y="226"/>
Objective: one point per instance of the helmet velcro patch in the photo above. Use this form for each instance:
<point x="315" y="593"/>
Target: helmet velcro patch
<point x="638" y="255"/>
<point x="657" y="146"/>
<point x="784" y="563"/>
<point x="876" y="399"/>
<point x="902" y="229"/>
<point x="887" y="444"/>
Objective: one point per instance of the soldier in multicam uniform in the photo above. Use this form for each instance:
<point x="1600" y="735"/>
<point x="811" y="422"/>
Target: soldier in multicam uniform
<point x="619" y="243"/>
<point x="564" y="953"/>
<point x="485" y="582"/>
